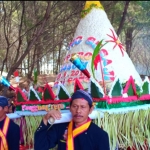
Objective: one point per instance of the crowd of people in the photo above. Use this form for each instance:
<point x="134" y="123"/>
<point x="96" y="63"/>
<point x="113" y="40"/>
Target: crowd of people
<point x="9" y="131"/>
<point x="78" y="134"/>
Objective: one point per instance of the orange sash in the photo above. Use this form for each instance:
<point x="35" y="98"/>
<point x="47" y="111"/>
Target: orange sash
<point x="3" y="133"/>
<point x="73" y="133"/>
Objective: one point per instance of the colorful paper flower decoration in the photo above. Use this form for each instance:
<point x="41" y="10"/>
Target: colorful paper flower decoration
<point x="116" y="41"/>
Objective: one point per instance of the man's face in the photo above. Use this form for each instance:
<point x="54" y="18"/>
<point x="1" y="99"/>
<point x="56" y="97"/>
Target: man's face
<point x="80" y="110"/>
<point x="3" y="111"/>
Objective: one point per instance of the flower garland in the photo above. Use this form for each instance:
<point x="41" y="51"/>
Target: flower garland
<point x="84" y="12"/>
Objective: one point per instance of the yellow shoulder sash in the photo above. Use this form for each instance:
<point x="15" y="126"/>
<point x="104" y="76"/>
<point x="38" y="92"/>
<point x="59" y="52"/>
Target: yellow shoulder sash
<point x="73" y="133"/>
<point x="3" y="133"/>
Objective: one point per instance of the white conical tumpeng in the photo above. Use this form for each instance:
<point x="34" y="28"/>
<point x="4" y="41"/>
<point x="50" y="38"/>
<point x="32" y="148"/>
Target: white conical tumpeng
<point x="92" y="28"/>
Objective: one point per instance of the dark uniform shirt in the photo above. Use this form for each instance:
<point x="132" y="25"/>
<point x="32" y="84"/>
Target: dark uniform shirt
<point x="13" y="135"/>
<point x="94" y="138"/>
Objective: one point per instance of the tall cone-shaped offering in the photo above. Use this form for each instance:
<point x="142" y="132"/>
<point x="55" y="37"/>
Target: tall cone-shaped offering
<point x="111" y="60"/>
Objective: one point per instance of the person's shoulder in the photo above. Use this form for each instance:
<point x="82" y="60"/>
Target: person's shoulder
<point x="13" y="124"/>
<point x="96" y="129"/>
<point x="13" y="129"/>
<point x="60" y="125"/>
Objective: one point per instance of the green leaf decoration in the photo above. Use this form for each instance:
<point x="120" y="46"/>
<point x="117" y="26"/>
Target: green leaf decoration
<point x="117" y="89"/>
<point x="130" y="91"/>
<point x="19" y="108"/>
<point x="124" y="84"/>
<point x="62" y="94"/>
<point x="138" y="90"/>
<point x="32" y="96"/>
<point x="40" y="95"/>
<point x="47" y="95"/>
<point x="35" y="76"/>
<point x="145" y="88"/>
<point x="95" y="91"/>
<point x="95" y="53"/>
<point x="20" y="97"/>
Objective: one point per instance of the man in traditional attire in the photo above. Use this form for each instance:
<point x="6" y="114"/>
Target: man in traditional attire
<point x="79" y="134"/>
<point x="9" y="131"/>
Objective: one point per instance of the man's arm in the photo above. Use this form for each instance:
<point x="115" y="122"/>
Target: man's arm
<point x="46" y="137"/>
<point x="14" y="137"/>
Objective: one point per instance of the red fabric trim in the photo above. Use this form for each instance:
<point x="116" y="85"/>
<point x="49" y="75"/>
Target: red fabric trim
<point x="121" y="99"/>
<point x="100" y="99"/>
<point x="106" y="98"/>
<point x="36" y="102"/>
<point x="144" y="97"/>
<point x="116" y="99"/>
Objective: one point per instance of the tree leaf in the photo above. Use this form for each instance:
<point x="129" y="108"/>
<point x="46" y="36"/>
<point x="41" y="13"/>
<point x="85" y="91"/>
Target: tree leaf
<point x="95" y="53"/>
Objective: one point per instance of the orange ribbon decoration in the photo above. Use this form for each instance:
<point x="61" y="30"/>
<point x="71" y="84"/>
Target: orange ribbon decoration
<point x="73" y="133"/>
<point x="4" y="145"/>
